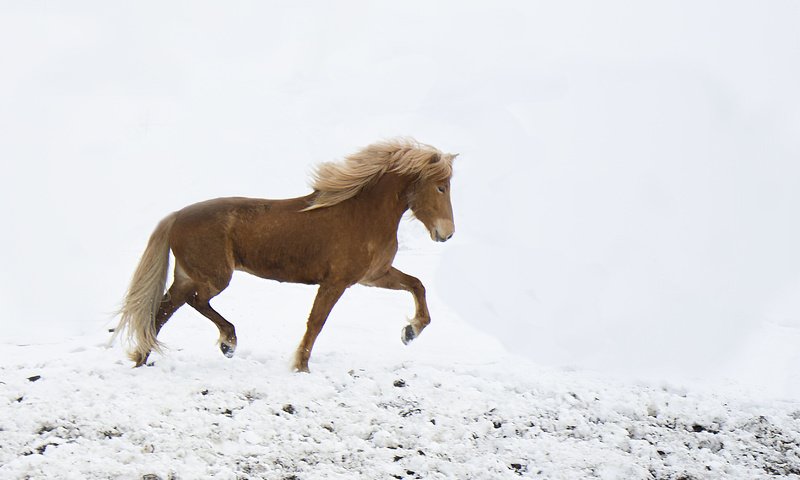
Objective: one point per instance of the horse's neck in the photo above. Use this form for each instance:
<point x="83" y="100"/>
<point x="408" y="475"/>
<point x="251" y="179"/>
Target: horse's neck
<point x="387" y="200"/>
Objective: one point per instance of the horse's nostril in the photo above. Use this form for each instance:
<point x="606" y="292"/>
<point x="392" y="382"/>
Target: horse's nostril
<point x="442" y="238"/>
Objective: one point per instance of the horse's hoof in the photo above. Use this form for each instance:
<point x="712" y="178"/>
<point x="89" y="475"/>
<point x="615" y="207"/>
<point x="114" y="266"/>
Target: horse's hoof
<point x="139" y="358"/>
<point x="408" y="334"/>
<point x="227" y="350"/>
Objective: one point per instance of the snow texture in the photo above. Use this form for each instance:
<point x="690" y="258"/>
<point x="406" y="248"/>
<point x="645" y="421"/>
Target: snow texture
<point x="91" y="416"/>
<point x="453" y="404"/>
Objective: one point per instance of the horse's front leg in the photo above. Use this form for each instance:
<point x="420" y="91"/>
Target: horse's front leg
<point x="327" y="296"/>
<point x="394" y="279"/>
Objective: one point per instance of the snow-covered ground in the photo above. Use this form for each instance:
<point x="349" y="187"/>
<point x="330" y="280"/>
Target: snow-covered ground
<point x="453" y="404"/>
<point x="620" y="300"/>
<point x="358" y="416"/>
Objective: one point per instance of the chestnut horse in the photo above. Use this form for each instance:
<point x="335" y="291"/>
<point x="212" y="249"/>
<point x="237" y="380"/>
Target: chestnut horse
<point x="343" y="233"/>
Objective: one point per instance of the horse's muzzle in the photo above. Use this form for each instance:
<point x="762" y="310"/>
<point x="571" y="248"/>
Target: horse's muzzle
<point x="443" y="230"/>
<point x="440" y="238"/>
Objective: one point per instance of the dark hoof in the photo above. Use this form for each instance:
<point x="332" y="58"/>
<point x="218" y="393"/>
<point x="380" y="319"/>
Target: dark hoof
<point x="408" y="334"/>
<point x="227" y="350"/>
<point x="139" y="359"/>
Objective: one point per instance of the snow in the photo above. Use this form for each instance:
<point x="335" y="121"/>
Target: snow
<point x="453" y="404"/>
<point x="410" y="416"/>
<point x="621" y="296"/>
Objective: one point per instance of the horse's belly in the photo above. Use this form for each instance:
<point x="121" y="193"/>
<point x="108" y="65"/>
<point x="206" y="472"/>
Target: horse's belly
<point x="281" y="273"/>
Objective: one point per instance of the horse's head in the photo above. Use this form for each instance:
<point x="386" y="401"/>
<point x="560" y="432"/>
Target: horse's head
<point x="430" y="201"/>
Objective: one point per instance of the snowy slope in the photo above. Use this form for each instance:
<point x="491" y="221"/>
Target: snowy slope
<point x="362" y="416"/>
<point x="453" y="404"/>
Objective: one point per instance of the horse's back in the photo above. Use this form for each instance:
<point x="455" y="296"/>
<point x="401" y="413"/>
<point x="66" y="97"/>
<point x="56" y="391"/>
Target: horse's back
<point x="272" y="239"/>
<point x="221" y="214"/>
<point x="278" y="240"/>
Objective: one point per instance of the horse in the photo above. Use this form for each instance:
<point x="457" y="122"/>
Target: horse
<point x="343" y="233"/>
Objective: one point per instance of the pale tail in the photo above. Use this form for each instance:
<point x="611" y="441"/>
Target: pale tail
<point x="138" y="312"/>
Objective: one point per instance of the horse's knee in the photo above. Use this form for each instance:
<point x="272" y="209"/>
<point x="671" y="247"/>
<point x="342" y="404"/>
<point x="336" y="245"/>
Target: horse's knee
<point x="416" y="287"/>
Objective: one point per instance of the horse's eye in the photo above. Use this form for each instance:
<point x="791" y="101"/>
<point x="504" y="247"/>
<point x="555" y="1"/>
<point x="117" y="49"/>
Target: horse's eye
<point x="441" y="188"/>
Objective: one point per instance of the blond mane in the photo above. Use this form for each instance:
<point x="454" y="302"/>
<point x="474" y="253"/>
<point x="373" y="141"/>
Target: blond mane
<point x="336" y="182"/>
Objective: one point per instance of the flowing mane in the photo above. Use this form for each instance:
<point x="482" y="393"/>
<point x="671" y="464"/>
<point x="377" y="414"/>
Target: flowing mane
<point x="336" y="182"/>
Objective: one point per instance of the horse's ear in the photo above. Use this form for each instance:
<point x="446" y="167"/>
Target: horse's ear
<point x="450" y="157"/>
<point x="435" y="158"/>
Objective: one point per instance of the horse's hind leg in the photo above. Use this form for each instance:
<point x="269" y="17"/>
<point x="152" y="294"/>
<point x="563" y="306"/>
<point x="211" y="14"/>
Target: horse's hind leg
<point x="227" y="333"/>
<point x="173" y="300"/>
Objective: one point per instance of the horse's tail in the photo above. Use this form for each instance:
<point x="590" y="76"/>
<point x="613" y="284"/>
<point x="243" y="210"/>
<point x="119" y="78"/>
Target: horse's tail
<point x="139" y="309"/>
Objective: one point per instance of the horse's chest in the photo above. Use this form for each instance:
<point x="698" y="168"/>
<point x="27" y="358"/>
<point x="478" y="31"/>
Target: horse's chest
<point x="381" y="255"/>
